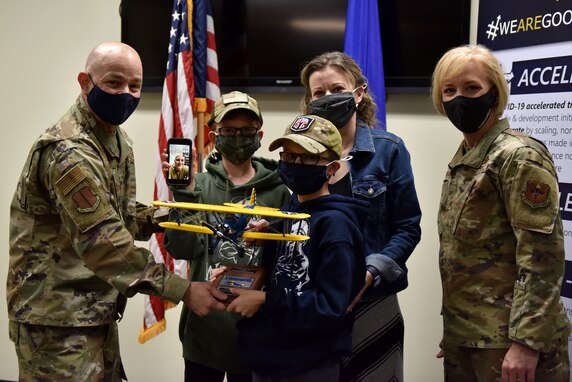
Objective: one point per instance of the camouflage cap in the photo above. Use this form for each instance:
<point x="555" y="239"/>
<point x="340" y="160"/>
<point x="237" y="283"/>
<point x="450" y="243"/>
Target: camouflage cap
<point x="315" y="134"/>
<point x="233" y="101"/>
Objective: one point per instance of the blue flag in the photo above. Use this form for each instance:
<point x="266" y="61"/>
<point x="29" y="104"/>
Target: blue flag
<point x="363" y="43"/>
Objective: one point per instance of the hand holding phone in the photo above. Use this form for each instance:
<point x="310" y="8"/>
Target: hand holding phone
<point x="179" y="157"/>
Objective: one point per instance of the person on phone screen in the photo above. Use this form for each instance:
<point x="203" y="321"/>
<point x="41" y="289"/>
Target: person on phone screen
<point x="209" y="343"/>
<point x="501" y="252"/>
<point x="179" y="170"/>
<point x="73" y="222"/>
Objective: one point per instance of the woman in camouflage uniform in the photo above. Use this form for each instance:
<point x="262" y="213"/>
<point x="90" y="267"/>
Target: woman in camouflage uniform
<point x="501" y="241"/>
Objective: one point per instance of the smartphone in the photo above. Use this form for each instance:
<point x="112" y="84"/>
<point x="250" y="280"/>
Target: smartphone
<point x="179" y="157"/>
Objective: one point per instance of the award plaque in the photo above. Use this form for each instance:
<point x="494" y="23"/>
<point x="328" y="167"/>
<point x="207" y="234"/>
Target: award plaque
<point x="239" y="276"/>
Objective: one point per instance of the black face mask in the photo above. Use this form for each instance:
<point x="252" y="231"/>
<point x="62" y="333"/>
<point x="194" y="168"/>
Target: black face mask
<point x="337" y="108"/>
<point x="470" y="114"/>
<point x="301" y="178"/>
<point x="237" y="149"/>
<point x="112" y="108"/>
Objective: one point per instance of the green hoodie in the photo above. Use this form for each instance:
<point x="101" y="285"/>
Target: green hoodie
<point x="211" y="340"/>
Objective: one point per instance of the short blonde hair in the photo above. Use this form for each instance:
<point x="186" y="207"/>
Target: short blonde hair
<point x="454" y="62"/>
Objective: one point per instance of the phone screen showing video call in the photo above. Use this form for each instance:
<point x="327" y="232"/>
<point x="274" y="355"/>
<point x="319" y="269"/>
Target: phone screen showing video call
<point x="179" y="158"/>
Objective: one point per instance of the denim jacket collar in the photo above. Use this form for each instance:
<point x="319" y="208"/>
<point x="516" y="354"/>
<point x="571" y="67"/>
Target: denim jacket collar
<point x="363" y="140"/>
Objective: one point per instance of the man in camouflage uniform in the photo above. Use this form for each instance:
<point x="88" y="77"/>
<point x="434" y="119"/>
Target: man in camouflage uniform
<point x="73" y="222"/>
<point x="502" y="246"/>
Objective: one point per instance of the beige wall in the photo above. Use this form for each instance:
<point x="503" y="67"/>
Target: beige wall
<point x="44" y="46"/>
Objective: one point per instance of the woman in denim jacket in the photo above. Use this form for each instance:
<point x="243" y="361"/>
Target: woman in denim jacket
<point x="380" y="173"/>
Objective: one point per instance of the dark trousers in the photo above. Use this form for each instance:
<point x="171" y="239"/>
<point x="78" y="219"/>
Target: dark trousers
<point x="195" y="372"/>
<point x="327" y="372"/>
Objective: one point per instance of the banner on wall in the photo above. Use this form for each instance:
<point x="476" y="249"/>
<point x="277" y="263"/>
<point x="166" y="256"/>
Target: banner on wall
<point x="533" y="41"/>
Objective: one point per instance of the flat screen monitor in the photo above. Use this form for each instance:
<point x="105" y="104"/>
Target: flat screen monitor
<point x="263" y="44"/>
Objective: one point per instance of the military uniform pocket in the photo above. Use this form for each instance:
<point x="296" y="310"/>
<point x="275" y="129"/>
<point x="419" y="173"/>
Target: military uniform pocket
<point x="482" y="214"/>
<point x="518" y="308"/>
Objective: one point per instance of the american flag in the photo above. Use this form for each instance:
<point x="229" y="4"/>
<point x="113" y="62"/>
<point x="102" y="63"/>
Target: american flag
<point x="190" y="89"/>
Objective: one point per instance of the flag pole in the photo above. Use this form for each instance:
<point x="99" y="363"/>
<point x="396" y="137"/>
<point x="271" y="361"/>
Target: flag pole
<point x="200" y="139"/>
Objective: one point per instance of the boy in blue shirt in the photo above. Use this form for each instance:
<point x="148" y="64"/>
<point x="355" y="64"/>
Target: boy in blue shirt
<point x="299" y="327"/>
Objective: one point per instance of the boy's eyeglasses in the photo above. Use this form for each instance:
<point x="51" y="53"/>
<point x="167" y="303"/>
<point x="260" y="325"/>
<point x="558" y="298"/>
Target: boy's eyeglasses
<point x="246" y="131"/>
<point x="310" y="159"/>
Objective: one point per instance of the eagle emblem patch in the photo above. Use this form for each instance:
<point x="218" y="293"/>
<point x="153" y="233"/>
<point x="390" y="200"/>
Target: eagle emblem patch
<point x="536" y="194"/>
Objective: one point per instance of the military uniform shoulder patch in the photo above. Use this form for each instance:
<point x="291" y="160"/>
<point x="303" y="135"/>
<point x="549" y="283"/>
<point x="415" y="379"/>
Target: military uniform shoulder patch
<point x="533" y="200"/>
<point x="536" y="194"/>
<point x="71" y="179"/>
<point x="85" y="199"/>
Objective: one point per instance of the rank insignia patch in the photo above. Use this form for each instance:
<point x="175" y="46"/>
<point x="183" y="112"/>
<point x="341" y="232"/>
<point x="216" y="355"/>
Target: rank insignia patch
<point x="86" y="200"/>
<point x="536" y="194"/>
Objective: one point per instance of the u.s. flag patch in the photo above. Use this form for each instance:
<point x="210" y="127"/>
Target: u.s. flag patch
<point x="302" y="123"/>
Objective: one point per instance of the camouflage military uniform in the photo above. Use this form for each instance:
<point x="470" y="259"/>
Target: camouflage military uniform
<point x="73" y="222"/>
<point x="502" y="247"/>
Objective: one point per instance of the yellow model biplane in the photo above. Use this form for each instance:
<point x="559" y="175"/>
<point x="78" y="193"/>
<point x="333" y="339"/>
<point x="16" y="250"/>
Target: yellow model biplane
<point x="231" y="229"/>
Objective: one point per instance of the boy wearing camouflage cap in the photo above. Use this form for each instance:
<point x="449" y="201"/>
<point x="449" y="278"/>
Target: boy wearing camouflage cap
<point x="209" y="343"/>
<point x="299" y="327"/>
